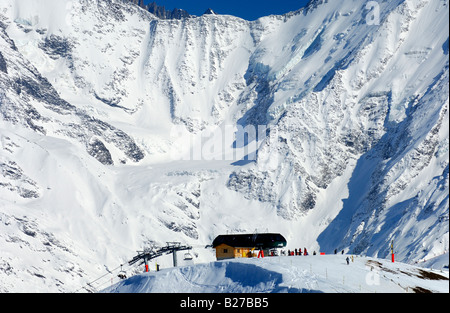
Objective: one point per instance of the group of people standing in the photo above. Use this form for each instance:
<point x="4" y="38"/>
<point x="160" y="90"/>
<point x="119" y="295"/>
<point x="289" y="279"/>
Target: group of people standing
<point x="297" y="252"/>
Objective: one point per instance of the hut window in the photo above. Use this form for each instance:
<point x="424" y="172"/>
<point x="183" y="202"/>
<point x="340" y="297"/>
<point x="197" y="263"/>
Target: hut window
<point x="225" y="250"/>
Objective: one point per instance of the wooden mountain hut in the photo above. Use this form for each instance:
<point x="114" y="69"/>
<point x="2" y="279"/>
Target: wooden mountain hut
<point x="246" y="245"/>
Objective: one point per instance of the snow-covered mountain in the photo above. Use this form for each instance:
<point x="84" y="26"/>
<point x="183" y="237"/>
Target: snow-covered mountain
<point x="106" y="111"/>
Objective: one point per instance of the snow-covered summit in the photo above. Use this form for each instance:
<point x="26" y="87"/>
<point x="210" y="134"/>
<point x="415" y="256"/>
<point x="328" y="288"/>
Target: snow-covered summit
<point x="210" y="12"/>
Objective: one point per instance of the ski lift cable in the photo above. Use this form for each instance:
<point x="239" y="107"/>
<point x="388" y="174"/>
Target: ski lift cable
<point x="109" y="272"/>
<point x="95" y="280"/>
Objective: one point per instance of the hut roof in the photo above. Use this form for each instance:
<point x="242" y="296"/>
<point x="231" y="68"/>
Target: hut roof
<point x="268" y="240"/>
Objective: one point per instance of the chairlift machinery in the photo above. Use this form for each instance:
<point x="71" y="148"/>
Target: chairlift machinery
<point x="171" y="247"/>
<point x="144" y="257"/>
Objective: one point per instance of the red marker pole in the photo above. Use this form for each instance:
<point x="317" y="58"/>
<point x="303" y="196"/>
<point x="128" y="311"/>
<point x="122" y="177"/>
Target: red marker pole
<point x="392" y="251"/>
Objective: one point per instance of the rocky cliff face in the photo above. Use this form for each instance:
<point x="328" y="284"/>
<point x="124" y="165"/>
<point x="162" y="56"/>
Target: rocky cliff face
<point x="162" y="13"/>
<point x="106" y="111"/>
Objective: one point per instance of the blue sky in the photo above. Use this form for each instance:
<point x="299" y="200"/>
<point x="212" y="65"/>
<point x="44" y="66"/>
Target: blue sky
<point x="247" y="9"/>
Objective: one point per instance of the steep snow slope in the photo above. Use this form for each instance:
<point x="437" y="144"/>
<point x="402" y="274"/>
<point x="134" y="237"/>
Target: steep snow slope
<point x="102" y="106"/>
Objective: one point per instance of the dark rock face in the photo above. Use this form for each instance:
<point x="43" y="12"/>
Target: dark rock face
<point x="3" y="67"/>
<point x="209" y="11"/>
<point x="98" y="150"/>
<point x="162" y="13"/>
<point x="56" y="47"/>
